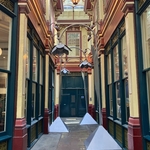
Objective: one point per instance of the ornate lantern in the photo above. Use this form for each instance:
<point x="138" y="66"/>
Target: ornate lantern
<point x="75" y="2"/>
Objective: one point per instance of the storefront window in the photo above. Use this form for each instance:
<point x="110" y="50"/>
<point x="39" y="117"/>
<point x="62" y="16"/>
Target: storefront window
<point x="118" y="101"/>
<point x="3" y="99"/>
<point x="116" y="63"/>
<point x="27" y="58"/>
<point x="145" y="26"/>
<point x="33" y="101"/>
<point x="41" y="69"/>
<point x="127" y="106"/>
<point x="110" y="100"/>
<point x="35" y="61"/>
<point x="109" y="68"/>
<point x="26" y="99"/>
<point x="40" y="99"/>
<point x="124" y="57"/>
<point x="5" y="51"/>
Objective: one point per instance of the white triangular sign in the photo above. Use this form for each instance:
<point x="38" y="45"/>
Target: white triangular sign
<point x="58" y="126"/>
<point x="100" y="139"/>
<point x="87" y="119"/>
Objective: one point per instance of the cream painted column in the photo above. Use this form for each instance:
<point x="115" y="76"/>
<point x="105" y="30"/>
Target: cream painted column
<point x="103" y="81"/>
<point x="91" y="88"/>
<point x="21" y="66"/>
<point x="134" y="126"/>
<point x="56" y="88"/>
<point x="132" y="70"/>
<point x="46" y="80"/>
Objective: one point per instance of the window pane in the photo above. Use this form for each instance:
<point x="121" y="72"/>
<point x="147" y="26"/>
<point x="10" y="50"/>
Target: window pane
<point x="124" y="57"/>
<point x="109" y="68"/>
<point x="26" y="99"/>
<point x="110" y="100"/>
<point x="33" y="100"/>
<point x="118" y="100"/>
<point x="148" y="92"/>
<point x="41" y="69"/>
<point x="5" y="40"/>
<point x="40" y="97"/>
<point x="145" y="27"/>
<point x="73" y="41"/>
<point x="3" y="100"/>
<point x="34" y="76"/>
<point x="127" y="100"/>
<point x="116" y="63"/>
<point x="27" y="58"/>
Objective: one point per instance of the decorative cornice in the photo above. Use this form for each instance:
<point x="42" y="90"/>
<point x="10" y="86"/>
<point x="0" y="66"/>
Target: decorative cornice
<point x="128" y="6"/>
<point x="24" y="7"/>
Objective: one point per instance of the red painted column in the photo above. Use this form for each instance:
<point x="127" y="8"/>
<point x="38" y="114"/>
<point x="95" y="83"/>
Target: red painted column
<point x="20" y="135"/>
<point x="90" y="109"/>
<point x="56" y="111"/>
<point x="134" y="134"/>
<point x="46" y="120"/>
<point x="104" y="118"/>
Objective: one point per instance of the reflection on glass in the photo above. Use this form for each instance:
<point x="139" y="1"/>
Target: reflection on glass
<point x="33" y="100"/>
<point x="116" y="63"/>
<point x="35" y="60"/>
<point x="118" y="100"/>
<point x="124" y="57"/>
<point x="145" y="27"/>
<point x="110" y="100"/>
<point x="3" y="99"/>
<point x="5" y="40"/>
<point x="41" y="69"/>
<point x="109" y="68"/>
<point x="27" y="58"/>
<point x="148" y="93"/>
<point x="26" y="99"/>
<point x="127" y="106"/>
<point x="40" y="99"/>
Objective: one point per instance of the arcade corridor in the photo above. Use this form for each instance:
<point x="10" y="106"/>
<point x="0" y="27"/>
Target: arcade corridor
<point x="66" y="58"/>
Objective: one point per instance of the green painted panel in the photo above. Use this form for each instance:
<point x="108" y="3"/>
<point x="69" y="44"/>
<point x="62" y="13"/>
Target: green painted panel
<point x="33" y="133"/>
<point x="40" y="126"/>
<point x="3" y="145"/>
<point x="126" y="138"/>
<point x="111" y="127"/>
<point x="119" y="133"/>
<point x="148" y="145"/>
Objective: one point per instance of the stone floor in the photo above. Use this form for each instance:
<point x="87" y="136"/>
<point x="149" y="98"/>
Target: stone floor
<point x="72" y="140"/>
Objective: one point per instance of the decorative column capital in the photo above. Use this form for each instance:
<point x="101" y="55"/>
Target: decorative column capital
<point x="128" y="6"/>
<point x="23" y="6"/>
<point x="101" y="51"/>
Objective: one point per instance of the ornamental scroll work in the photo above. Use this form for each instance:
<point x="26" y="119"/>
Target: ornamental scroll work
<point x="8" y="4"/>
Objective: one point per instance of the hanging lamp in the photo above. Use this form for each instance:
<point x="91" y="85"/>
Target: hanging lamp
<point x="75" y="2"/>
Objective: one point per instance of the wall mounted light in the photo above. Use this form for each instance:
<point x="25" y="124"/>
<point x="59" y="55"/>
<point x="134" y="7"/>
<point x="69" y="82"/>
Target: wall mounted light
<point x="1" y="51"/>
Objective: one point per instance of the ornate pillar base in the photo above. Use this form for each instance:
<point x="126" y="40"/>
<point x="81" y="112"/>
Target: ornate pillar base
<point x="134" y="134"/>
<point x="20" y="135"/>
<point x="56" y="111"/>
<point x="104" y="118"/>
<point x="46" y="121"/>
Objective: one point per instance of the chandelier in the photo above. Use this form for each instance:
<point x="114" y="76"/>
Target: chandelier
<point x="75" y="2"/>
